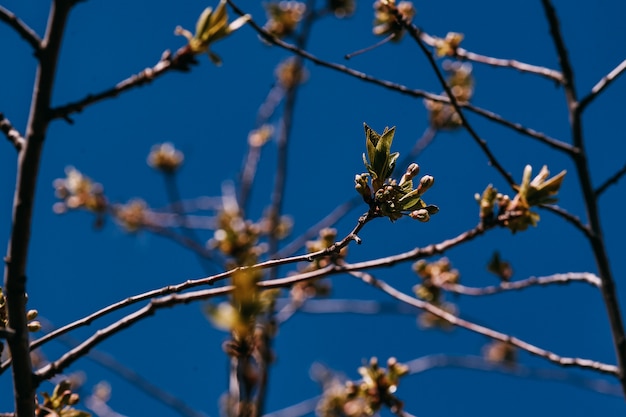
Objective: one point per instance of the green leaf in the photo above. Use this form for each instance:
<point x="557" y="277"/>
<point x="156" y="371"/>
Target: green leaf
<point x="203" y="22"/>
<point x="371" y="140"/>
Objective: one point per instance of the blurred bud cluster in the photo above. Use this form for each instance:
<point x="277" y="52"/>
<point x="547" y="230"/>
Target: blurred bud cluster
<point x="385" y="22"/>
<point x="367" y="397"/>
<point x="283" y="17"/>
<point x="434" y="276"/>
<point x="461" y="82"/>
<point x="61" y="403"/>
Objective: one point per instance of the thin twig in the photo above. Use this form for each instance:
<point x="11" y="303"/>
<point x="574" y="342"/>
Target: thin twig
<point x="23" y="207"/>
<point x="476" y="328"/>
<point x="415" y="34"/>
<point x="572" y="219"/>
<point x="21" y="28"/>
<point x="131" y="376"/>
<point x="172" y="289"/>
<point x="561" y="279"/>
<point x="464" y="54"/>
<point x="602" y="85"/>
<point x="613" y="179"/>
<point x="432" y="362"/>
<point x="333" y="217"/>
<point x="555" y="143"/>
<point x="182" y="60"/>
<point x="609" y="293"/>
<point x="11" y="133"/>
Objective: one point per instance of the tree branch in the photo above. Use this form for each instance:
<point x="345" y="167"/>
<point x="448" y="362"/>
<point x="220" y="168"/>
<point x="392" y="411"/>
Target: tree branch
<point x="554" y="143"/>
<point x="602" y="85"/>
<point x="23" y="203"/>
<point x="567" y="278"/>
<point x="476" y="328"/>
<point x="613" y="179"/>
<point x="596" y="239"/>
<point x="431" y="362"/>
<point x="415" y="34"/>
<point x="11" y="133"/>
<point x="21" y="28"/>
<point x="574" y="220"/>
<point x="182" y="60"/>
<point x="463" y="54"/>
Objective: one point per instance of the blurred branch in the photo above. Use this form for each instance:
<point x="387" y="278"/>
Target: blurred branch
<point x="415" y="34"/>
<point x="602" y="85"/>
<point x="554" y="143"/>
<point x="332" y="218"/>
<point x="56" y="367"/>
<point x="464" y="54"/>
<point x="21" y="28"/>
<point x="131" y="376"/>
<point x="182" y="60"/>
<point x="297" y="410"/>
<point x="23" y="204"/>
<point x="613" y="179"/>
<point x="172" y="289"/>
<point x="11" y="133"/>
<point x="590" y="199"/>
<point x="431" y="362"/>
<point x="567" y="278"/>
<point x="476" y="328"/>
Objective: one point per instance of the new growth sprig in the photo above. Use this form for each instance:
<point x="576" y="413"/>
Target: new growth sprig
<point x="212" y="26"/>
<point x="540" y="190"/>
<point x="386" y="196"/>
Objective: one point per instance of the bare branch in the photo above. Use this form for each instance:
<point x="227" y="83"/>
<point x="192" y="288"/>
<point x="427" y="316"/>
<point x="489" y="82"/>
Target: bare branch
<point x="21" y="28"/>
<point x="415" y="34"/>
<point x="182" y="60"/>
<point x="613" y="179"/>
<point x="476" y="328"/>
<point x="584" y="177"/>
<point x="23" y="204"/>
<point x="131" y="376"/>
<point x="11" y="133"/>
<point x="431" y="362"/>
<point x="554" y="143"/>
<point x="464" y="54"/>
<point x="567" y="278"/>
<point x="602" y="85"/>
<point x="54" y="368"/>
<point x="574" y="220"/>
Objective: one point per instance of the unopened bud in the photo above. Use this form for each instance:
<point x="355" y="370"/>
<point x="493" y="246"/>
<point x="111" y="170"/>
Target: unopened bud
<point x="426" y="182"/>
<point x="421" y="215"/>
<point x="31" y="315"/>
<point x="34" y="326"/>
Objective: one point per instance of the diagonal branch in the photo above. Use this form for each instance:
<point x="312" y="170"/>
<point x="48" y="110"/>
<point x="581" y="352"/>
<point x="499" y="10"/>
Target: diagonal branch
<point x="554" y="143"/>
<point x="21" y="28"/>
<point x="415" y="34"/>
<point x="11" y="133"/>
<point x="572" y="219"/>
<point x="602" y="85"/>
<point x="182" y="60"/>
<point x="476" y="328"/>
<point x="613" y="179"/>
<point x="463" y="54"/>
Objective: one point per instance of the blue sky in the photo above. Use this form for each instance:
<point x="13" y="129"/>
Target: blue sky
<point x="207" y="113"/>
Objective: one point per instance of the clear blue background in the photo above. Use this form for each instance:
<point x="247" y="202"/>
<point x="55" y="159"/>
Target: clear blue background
<point x="74" y="270"/>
